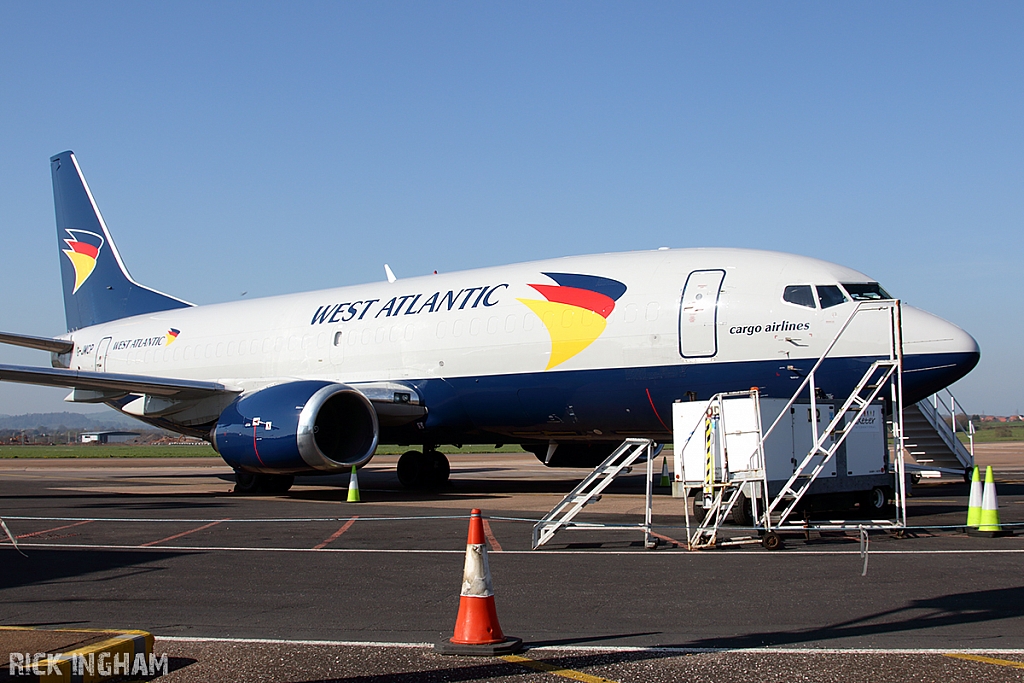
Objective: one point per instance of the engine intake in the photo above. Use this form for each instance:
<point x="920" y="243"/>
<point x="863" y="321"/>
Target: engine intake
<point x="304" y="426"/>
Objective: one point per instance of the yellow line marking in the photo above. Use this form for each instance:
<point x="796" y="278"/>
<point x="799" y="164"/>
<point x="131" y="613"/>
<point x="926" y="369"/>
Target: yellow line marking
<point x="555" y="670"/>
<point x="985" y="660"/>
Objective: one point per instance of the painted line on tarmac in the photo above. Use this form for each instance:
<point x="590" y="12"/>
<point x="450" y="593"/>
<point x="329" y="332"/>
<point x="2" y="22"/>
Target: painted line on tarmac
<point x="495" y="546"/>
<point x="554" y="670"/>
<point x="183" y="533"/>
<point x="280" y="641"/>
<point x="634" y="553"/>
<point x="985" y="660"/>
<point x="668" y="539"/>
<point x="344" y="527"/>
<point x="625" y="648"/>
<point x="240" y="520"/>
<point x="56" y="528"/>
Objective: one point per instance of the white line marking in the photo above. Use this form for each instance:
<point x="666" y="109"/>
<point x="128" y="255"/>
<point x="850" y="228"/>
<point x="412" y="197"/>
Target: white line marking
<point x="534" y="553"/>
<point x="619" y="648"/>
<point x="275" y="641"/>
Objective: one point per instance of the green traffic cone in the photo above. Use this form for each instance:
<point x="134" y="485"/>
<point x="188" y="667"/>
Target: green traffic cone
<point x="665" y="481"/>
<point x="353" y="487"/>
<point x="989" y="504"/>
<point x="974" y="503"/>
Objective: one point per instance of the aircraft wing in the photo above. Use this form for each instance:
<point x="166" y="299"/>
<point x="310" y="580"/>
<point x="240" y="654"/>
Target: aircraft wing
<point x="41" y="343"/>
<point x="112" y="383"/>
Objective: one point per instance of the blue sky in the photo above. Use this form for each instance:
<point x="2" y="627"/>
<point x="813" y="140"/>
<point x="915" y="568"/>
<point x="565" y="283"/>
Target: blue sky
<point x="272" y="148"/>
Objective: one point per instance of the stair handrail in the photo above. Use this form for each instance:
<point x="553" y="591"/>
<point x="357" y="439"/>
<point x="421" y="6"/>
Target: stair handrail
<point x="953" y="406"/>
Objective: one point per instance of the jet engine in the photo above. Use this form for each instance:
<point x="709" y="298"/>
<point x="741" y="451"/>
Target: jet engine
<point x="303" y="426"/>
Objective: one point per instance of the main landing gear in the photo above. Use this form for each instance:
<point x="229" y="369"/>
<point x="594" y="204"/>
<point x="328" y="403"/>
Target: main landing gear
<point x="250" y="483"/>
<point x="428" y="469"/>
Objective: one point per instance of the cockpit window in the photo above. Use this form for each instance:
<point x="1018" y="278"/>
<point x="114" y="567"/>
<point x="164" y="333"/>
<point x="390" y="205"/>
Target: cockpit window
<point x="865" y="291"/>
<point x="800" y="295"/>
<point x="830" y="295"/>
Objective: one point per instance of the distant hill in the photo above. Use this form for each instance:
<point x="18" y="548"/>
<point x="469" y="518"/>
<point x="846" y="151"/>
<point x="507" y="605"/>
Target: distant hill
<point x="73" y="421"/>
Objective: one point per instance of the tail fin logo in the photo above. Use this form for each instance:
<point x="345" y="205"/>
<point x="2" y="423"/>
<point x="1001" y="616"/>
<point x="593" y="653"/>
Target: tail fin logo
<point x="83" y="250"/>
<point x="575" y="311"/>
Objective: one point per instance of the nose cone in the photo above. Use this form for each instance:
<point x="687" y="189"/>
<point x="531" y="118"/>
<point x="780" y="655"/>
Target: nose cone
<point x="936" y="353"/>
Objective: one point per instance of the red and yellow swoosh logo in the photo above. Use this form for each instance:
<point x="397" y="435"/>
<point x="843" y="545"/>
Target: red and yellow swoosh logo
<point x="83" y="249"/>
<point x="574" y="311"/>
<point x="172" y="334"/>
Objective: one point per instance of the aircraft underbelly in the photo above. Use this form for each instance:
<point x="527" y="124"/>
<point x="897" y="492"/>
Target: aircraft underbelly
<point x="610" y="404"/>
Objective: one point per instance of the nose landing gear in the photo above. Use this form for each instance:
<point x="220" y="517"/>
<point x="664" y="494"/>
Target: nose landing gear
<point x="426" y="470"/>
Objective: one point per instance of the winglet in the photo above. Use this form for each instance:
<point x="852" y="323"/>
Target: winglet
<point x="389" y="273"/>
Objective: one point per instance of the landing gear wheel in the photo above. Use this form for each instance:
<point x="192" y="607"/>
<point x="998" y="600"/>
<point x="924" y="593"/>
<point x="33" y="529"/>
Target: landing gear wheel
<point x="771" y="541"/>
<point x="427" y="470"/>
<point x="247" y="482"/>
<point x="409" y="466"/>
<point x="437" y="469"/>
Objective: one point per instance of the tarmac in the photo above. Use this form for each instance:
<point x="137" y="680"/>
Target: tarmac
<point x="306" y="587"/>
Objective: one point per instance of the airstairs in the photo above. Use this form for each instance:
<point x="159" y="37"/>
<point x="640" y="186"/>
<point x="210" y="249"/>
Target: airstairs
<point x="589" y="491"/>
<point x="931" y="428"/>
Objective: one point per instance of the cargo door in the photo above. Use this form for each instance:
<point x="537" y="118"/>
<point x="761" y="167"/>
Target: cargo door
<point x="698" y="314"/>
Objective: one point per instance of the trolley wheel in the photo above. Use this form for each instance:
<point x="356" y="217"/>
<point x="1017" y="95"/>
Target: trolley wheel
<point x="968" y="474"/>
<point x="699" y="513"/>
<point x="771" y="541"/>
<point x="877" y="499"/>
<point x="743" y="512"/>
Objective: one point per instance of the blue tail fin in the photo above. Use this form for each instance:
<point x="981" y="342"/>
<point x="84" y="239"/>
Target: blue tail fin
<point x="97" y="286"/>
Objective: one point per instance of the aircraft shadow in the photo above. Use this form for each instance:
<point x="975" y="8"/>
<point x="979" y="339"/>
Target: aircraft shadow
<point x="44" y="565"/>
<point x="959" y="609"/>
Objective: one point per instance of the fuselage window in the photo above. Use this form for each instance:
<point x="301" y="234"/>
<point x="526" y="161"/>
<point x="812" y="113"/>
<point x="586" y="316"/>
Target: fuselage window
<point x="865" y="291"/>
<point x="830" y="295"/>
<point x="800" y="295"/>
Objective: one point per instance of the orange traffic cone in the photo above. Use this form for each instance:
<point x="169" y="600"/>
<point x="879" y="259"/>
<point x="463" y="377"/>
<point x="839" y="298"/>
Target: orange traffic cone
<point x="477" y="631"/>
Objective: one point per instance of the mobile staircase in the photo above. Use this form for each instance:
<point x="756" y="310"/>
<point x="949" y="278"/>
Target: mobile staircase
<point x="931" y="427"/>
<point x="589" y="491"/>
<point x="774" y="514"/>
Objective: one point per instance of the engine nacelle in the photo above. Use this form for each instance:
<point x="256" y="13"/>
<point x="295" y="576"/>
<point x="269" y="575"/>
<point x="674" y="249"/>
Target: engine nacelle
<point x="302" y="426"/>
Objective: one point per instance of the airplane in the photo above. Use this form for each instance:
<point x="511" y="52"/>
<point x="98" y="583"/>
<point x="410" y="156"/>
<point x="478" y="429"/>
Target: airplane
<point x="566" y="357"/>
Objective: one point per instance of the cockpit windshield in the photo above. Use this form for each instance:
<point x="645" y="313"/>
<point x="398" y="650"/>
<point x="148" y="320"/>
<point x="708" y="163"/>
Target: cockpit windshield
<point x="865" y="291"/>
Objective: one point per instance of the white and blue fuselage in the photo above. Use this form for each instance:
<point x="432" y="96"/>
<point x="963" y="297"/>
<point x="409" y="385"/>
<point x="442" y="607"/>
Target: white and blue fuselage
<point x="576" y="350"/>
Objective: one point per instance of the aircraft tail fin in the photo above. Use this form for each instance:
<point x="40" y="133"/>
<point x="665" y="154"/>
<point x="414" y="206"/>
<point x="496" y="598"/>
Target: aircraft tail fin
<point x="97" y="286"/>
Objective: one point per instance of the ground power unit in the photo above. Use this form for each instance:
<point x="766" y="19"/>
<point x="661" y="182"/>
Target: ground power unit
<point x="857" y="475"/>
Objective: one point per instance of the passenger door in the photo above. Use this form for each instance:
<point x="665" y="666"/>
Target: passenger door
<point x="101" y="354"/>
<point x="698" y="314"/>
